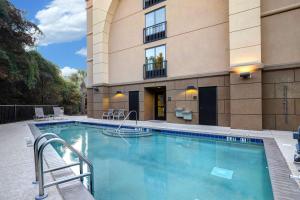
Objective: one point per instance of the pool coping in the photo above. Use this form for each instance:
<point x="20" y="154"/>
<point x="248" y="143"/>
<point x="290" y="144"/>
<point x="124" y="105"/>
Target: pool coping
<point x="283" y="186"/>
<point x="73" y="190"/>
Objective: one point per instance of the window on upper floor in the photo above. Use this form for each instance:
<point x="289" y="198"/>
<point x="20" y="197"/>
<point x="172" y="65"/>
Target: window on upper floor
<point x="155" y="25"/>
<point x="155" y="62"/>
<point x="149" y="3"/>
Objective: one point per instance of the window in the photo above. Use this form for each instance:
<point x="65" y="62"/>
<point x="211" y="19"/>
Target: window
<point x="155" y="55"/>
<point x="155" y="62"/>
<point x="155" y="17"/>
<point x="155" y="25"/>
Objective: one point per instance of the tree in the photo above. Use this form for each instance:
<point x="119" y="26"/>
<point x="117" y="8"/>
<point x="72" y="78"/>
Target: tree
<point x="25" y="76"/>
<point x="16" y="33"/>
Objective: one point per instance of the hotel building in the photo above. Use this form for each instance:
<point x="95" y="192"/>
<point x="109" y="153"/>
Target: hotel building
<point x="233" y="63"/>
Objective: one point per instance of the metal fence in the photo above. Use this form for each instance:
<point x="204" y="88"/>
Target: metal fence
<point x="15" y="113"/>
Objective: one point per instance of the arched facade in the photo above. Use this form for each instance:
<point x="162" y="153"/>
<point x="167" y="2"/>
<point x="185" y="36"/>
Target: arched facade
<point x="207" y="44"/>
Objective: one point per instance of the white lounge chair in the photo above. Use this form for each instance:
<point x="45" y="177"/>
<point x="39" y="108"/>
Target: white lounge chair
<point x="120" y="114"/>
<point x="109" y="114"/>
<point x="39" y="114"/>
<point x="58" y="113"/>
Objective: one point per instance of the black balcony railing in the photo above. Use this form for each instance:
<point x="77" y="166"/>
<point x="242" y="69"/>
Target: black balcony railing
<point x="155" y="70"/>
<point x="149" y="3"/>
<point x="156" y="32"/>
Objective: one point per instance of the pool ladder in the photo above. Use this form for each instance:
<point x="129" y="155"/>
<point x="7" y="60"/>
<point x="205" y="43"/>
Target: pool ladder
<point x="128" y="115"/>
<point x="39" y="171"/>
<point x="117" y="130"/>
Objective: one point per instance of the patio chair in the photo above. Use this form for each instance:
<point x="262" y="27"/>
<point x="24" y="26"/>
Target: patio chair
<point x="58" y="113"/>
<point x="120" y="114"/>
<point x="39" y="114"/>
<point x="109" y="114"/>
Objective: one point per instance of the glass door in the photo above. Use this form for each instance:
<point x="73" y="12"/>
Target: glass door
<point x="160" y="106"/>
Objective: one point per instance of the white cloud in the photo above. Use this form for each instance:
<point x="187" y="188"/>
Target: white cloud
<point x="81" y="52"/>
<point x="62" y="21"/>
<point x="68" y="71"/>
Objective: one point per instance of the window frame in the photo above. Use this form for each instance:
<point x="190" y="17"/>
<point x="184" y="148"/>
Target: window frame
<point x="154" y="47"/>
<point x="153" y="11"/>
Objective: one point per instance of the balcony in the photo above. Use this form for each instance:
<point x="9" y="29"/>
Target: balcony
<point x="149" y="3"/>
<point x="155" y="70"/>
<point x="156" y="32"/>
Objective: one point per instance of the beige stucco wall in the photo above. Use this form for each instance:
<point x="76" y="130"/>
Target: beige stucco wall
<point x="281" y="38"/>
<point x="245" y="32"/>
<point x="192" y="47"/>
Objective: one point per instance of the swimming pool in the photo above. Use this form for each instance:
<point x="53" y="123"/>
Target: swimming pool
<point x="168" y="166"/>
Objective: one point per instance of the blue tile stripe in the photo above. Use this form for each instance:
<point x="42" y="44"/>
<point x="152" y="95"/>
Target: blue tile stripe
<point x="168" y="132"/>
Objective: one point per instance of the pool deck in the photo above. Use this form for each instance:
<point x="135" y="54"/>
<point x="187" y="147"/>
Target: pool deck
<point x="17" y="165"/>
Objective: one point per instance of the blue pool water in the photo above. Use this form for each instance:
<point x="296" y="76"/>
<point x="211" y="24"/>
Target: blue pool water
<point x="166" y="167"/>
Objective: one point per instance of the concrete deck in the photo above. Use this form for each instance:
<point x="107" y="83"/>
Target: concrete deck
<point x="17" y="165"/>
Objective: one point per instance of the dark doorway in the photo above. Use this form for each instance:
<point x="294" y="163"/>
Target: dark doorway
<point x="160" y="105"/>
<point x="134" y="104"/>
<point x="208" y="105"/>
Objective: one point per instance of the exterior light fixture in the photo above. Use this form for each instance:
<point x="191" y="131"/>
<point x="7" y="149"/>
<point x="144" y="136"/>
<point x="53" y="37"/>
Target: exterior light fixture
<point x="96" y="89"/>
<point x="190" y="87"/>
<point x="119" y="92"/>
<point x="245" y="75"/>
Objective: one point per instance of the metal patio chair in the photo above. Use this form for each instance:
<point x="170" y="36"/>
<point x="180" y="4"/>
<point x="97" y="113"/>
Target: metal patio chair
<point x="109" y="114"/>
<point x="120" y="114"/>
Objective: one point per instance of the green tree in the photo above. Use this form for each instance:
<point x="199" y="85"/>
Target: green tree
<point x="25" y="76"/>
<point x="16" y="33"/>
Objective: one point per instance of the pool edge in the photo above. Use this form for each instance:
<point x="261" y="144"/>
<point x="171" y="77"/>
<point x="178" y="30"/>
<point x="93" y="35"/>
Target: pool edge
<point x="282" y="185"/>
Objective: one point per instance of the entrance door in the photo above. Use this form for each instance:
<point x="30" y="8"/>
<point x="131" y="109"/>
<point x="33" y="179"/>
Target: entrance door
<point x="208" y="105"/>
<point x="134" y="104"/>
<point x="160" y="106"/>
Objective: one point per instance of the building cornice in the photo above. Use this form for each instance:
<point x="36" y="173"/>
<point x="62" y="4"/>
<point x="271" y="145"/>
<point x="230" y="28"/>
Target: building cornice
<point x="281" y="10"/>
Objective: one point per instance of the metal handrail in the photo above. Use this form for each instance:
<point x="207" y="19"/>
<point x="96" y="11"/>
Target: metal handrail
<point x="159" y="72"/>
<point x="156" y="32"/>
<point x="36" y="148"/>
<point x="118" y="129"/>
<point x="132" y="111"/>
<point x="41" y="171"/>
<point x="149" y="3"/>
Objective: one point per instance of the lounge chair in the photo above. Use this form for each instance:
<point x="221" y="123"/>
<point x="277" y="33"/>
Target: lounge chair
<point x="120" y="114"/>
<point x="58" y="113"/>
<point x="109" y="114"/>
<point x="39" y="114"/>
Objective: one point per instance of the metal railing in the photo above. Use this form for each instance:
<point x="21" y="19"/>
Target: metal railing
<point x="155" y="70"/>
<point x="39" y="170"/>
<point x="128" y="115"/>
<point x="15" y="113"/>
<point x="155" y="32"/>
<point x="149" y="3"/>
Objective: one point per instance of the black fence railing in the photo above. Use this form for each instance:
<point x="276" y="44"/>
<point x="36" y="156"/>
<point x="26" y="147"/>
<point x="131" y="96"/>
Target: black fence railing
<point x="155" y="32"/>
<point x="149" y="3"/>
<point x="15" y="113"/>
<point x="155" y="70"/>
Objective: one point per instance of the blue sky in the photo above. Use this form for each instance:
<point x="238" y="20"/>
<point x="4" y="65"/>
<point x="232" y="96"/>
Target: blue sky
<point x="63" y="23"/>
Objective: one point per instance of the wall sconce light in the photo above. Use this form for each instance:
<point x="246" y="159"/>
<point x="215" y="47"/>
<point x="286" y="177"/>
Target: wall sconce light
<point x="119" y="92"/>
<point x="96" y="89"/>
<point x="245" y="75"/>
<point x="190" y="87"/>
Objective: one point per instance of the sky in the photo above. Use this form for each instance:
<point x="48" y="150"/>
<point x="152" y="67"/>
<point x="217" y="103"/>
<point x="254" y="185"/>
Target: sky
<point x="63" y="23"/>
